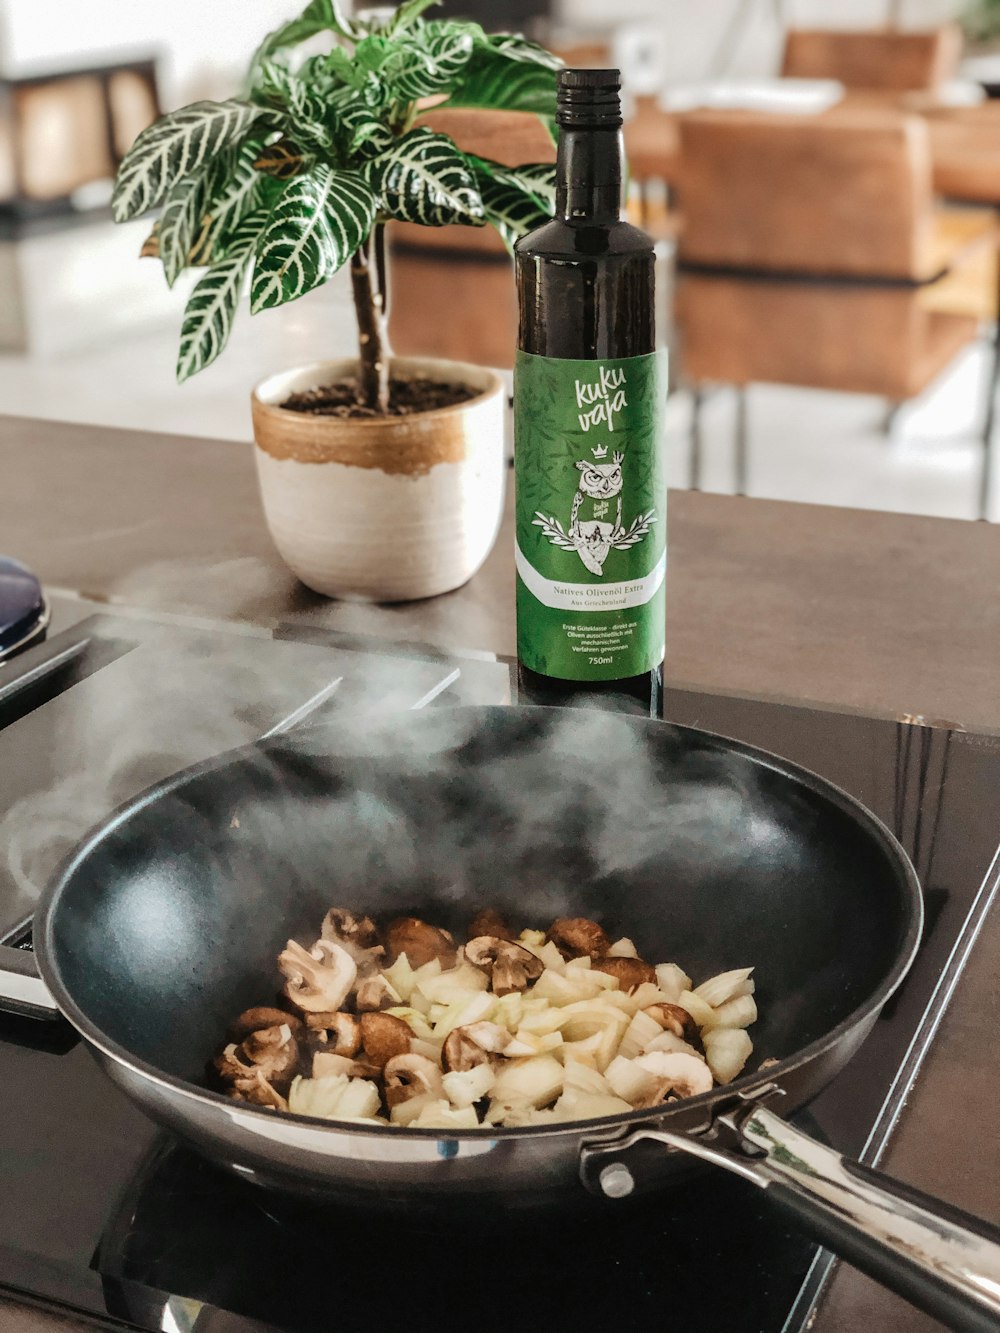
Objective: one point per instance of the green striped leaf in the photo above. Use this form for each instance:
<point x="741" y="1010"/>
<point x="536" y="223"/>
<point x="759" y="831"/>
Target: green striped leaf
<point x="493" y="79"/>
<point x="431" y="63"/>
<point x="366" y="133"/>
<point x="406" y="14"/>
<point x="234" y="193"/>
<point x="513" y="46"/>
<point x="318" y="16"/>
<point x="319" y="221"/>
<point x="510" y="210"/>
<point x="425" y="179"/>
<point x="212" y="306"/>
<point x="184" y="208"/>
<point x="535" y="178"/>
<point x="176" y="146"/>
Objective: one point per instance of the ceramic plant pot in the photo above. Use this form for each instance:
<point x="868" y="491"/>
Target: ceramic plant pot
<point x="385" y="509"/>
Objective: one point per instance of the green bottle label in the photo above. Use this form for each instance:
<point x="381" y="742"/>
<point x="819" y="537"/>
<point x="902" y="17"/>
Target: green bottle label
<point x="591" y="515"/>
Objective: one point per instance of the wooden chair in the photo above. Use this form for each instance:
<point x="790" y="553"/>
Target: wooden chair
<point x="887" y="59"/>
<point x="808" y="250"/>
<point x="460" y="301"/>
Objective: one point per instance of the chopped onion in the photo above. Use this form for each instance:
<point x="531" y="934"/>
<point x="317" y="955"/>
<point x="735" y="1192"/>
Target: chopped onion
<point x="327" y="1065"/>
<point x="727" y="1051"/>
<point x="623" y="948"/>
<point x="401" y="977"/>
<point x="431" y="1050"/>
<point x="582" y="1078"/>
<point x="672" y="980"/>
<point x="474" y="1008"/>
<point x="700" y="1010"/>
<point x="717" y="990"/>
<point x="468" y="1086"/>
<point x="629" y="1081"/>
<point x="509" y="1011"/>
<point x="668" y="1041"/>
<point x="531" y="939"/>
<point x="439" y="1115"/>
<point x="335" y="1098"/>
<point x="407" y="1111"/>
<point x="416" y="1021"/>
<point x="527" y="1043"/>
<point x="535" y="1081"/>
<point x="640" y="1032"/>
<point x="738" y="1012"/>
<point x="455" y="986"/>
<point x="575" y="1105"/>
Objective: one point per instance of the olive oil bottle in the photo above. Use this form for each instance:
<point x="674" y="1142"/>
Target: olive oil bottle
<point x="589" y="388"/>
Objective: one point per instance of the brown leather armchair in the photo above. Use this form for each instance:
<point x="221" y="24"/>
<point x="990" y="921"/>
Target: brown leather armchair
<point x="808" y="249"/>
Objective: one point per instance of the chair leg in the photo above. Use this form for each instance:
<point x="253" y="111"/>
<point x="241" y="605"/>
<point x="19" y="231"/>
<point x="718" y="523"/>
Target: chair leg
<point x="992" y="386"/>
<point x="695" y="438"/>
<point x="740" y="441"/>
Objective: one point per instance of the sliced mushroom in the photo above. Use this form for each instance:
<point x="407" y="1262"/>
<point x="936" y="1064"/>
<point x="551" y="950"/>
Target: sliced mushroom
<point x="577" y="936"/>
<point x="258" y="1092"/>
<point x="508" y="966"/>
<point x="319" y="979"/>
<point x="474" y="1044"/>
<point x="376" y="993"/>
<point x="384" y="1037"/>
<point x="679" y="1075"/>
<point x="672" y="1018"/>
<point x="268" y="1055"/>
<point x="490" y="922"/>
<point x="340" y="1032"/>
<point x="356" y="935"/>
<point x="409" y="1076"/>
<point x="419" y="941"/>
<point x="630" y="972"/>
<point x="264" y="1016"/>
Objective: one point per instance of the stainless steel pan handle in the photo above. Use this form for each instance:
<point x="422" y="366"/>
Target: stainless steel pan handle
<point x="938" y="1257"/>
<point x="22" y="990"/>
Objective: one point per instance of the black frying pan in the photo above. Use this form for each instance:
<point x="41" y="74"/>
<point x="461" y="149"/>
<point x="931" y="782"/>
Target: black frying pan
<point x="168" y="920"/>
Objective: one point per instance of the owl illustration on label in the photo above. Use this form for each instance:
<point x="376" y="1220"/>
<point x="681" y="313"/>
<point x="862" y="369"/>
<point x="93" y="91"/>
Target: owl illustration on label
<point x="593" y="532"/>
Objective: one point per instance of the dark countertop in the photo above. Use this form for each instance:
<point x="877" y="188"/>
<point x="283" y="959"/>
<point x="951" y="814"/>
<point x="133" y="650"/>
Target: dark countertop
<point x="887" y="613"/>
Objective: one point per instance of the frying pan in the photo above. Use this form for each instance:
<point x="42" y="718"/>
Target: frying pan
<point x="167" y="921"/>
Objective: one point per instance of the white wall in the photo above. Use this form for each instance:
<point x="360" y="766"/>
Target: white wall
<point x="204" y="44"/>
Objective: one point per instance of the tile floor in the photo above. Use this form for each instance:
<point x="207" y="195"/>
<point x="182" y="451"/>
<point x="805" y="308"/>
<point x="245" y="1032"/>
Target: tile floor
<point x="106" y="354"/>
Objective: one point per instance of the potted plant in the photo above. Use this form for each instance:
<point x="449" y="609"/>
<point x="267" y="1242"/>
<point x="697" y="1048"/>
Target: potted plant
<point x="381" y="478"/>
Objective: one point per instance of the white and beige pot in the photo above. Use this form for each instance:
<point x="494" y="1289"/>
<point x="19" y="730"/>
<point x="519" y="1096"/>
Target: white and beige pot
<point x="384" y="509"/>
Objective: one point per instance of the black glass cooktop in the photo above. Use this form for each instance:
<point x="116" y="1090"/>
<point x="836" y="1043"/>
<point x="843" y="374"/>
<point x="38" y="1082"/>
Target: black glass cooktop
<point x="103" y="1214"/>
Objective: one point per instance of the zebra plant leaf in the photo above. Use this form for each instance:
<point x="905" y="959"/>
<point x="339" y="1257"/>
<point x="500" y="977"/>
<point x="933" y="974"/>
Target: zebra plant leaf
<point x="235" y="192"/>
<point x="282" y="160"/>
<point x="213" y="303"/>
<point x="425" y="179"/>
<point x="493" y="78"/>
<point x="512" y="46"/>
<point x="367" y="134"/>
<point x="510" y="210"/>
<point x="319" y="221"/>
<point x="174" y="147"/>
<point x="431" y="63"/>
<point x="318" y="16"/>
<point x="535" y="178"/>
<point x="182" y="212"/>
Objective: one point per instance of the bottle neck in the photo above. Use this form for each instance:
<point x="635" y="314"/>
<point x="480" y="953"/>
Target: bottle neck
<point x="589" y="175"/>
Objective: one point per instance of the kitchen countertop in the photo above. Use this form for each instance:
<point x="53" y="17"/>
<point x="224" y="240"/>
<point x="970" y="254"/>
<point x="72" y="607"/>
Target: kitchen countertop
<point x="887" y="613"/>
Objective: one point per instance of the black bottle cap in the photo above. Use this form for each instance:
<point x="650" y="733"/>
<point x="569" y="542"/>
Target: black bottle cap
<point x="589" y="98"/>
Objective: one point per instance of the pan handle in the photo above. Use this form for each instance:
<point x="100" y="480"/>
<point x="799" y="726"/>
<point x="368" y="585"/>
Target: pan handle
<point x="22" y="990"/>
<point x="943" y="1260"/>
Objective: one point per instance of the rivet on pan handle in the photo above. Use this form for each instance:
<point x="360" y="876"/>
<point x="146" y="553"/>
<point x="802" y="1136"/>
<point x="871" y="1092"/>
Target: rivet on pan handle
<point x="938" y="1257"/>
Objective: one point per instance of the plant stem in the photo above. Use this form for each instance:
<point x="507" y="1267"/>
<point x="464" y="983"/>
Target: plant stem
<point x="373" y="346"/>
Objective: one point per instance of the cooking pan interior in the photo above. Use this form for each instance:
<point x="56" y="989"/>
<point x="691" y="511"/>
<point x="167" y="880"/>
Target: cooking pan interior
<point x="167" y="924"/>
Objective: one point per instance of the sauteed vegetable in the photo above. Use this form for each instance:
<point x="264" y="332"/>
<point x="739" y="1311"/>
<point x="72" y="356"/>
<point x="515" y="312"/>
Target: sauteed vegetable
<point x="403" y="1026"/>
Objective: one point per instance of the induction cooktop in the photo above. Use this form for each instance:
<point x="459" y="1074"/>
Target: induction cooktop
<point x="103" y="1214"/>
